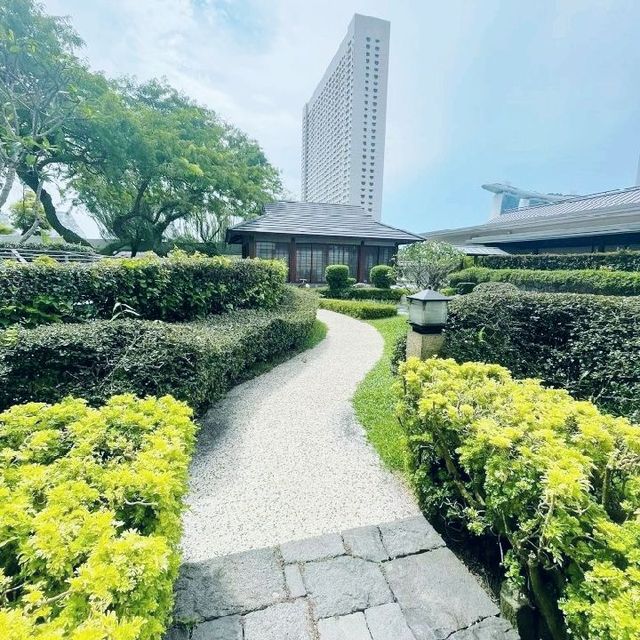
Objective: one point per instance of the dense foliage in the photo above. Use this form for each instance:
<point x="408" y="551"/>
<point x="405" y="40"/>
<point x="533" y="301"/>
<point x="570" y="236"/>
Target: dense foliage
<point x="146" y="161"/>
<point x="90" y="506"/>
<point x="598" y="281"/>
<point x="551" y="476"/>
<point x="427" y="264"/>
<point x="588" y="345"/>
<point x="356" y="309"/>
<point x="195" y="362"/>
<point x="177" y="288"/>
<point x="615" y="260"/>
<point x="337" y="278"/>
<point x="382" y="276"/>
<point x="364" y="293"/>
<point x="50" y="245"/>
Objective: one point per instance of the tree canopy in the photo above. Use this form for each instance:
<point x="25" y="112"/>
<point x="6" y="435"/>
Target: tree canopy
<point x="144" y="160"/>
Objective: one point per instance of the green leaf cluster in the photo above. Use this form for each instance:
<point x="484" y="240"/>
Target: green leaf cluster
<point x="90" y="507"/>
<point x="382" y="276"/>
<point x="176" y="288"/>
<point x="614" y="260"/>
<point x="553" y="477"/>
<point x="596" y="281"/>
<point x="196" y="362"/>
<point x="364" y="293"/>
<point x="357" y="309"/>
<point x="588" y="345"/>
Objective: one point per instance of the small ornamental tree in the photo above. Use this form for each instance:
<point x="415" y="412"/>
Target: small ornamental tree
<point x="382" y="276"/>
<point x="427" y="264"/>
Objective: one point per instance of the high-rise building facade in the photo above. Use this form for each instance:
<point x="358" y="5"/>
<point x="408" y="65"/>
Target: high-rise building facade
<point x="343" y="124"/>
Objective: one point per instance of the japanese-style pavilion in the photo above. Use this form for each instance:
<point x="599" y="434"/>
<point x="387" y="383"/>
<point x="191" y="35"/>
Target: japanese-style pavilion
<point x="308" y="236"/>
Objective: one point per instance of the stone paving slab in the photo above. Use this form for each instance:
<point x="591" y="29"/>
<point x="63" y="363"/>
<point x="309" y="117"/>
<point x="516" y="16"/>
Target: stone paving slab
<point x="395" y="581"/>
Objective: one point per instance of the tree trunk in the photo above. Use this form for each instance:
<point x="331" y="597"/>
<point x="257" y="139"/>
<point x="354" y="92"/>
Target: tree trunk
<point x="30" y="178"/>
<point x="8" y="183"/>
<point x="546" y="601"/>
<point x="36" y="216"/>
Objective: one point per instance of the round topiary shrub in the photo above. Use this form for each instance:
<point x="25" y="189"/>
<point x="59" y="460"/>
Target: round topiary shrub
<point x="337" y="277"/>
<point x="382" y="276"/>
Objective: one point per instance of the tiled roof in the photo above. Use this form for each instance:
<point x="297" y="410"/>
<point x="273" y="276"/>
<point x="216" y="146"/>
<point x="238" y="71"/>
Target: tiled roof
<point x="321" y="219"/>
<point x="618" y="199"/>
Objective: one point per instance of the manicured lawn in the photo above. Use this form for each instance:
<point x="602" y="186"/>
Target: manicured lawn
<point x="374" y="401"/>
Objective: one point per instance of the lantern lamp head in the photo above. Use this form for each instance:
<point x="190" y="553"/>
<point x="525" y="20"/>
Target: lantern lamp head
<point x="428" y="311"/>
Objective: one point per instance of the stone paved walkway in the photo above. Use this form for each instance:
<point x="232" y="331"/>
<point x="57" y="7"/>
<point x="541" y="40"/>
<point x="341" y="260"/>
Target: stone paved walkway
<point x="283" y="458"/>
<point x="396" y="581"/>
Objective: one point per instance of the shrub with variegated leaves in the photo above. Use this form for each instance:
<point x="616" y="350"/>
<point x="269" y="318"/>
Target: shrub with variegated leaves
<point x="90" y="505"/>
<point x="555" y="479"/>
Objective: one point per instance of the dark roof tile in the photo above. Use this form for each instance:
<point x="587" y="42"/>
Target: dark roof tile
<point x="321" y="219"/>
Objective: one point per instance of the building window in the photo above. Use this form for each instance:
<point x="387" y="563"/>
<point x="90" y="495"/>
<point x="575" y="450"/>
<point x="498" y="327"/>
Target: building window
<point x="272" y="250"/>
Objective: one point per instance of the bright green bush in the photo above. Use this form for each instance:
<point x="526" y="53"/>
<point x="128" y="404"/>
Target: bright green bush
<point x="588" y="345"/>
<point x="357" y="309"/>
<point x="556" y="480"/>
<point x="338" y="280"/>
<point x="615" y="260"/>
<point x="366" y="293"/>
<point x="90" y="506"/>
<point x="598" y="281"/>
<point x="195" y="362"/>
<point x="177" y="288"/>
<point x="382" y="276"/>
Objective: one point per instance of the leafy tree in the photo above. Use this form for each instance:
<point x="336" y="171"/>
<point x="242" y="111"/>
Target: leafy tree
<point x="38" y="95"/>
<point x="24" y="212"/>
<point x="5" y="229"/>
<point x="173" y="162"/>
<point x="427" y="264"/>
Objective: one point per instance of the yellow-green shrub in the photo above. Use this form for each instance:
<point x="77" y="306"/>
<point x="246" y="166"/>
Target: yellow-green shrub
<point x="90" y="505"/>
<point x="552" y="476"/>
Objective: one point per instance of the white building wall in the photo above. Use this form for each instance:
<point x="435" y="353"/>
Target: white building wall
<point x="344" y="122"/>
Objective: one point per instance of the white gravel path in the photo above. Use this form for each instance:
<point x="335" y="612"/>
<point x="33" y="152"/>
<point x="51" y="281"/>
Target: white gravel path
<point x="283" y="457"/>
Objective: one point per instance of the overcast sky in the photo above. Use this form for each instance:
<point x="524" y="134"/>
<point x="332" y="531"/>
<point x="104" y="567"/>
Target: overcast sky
<point x="544" y="94"/>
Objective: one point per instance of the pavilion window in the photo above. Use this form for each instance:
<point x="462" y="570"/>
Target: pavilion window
<point x="272" y="250"/>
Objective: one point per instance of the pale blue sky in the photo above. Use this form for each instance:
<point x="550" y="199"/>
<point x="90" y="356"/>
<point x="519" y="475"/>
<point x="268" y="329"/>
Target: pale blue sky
<point x="543" y="94"/>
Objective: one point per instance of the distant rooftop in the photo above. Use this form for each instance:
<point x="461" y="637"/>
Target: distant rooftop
<point x="321" y="219"/>
<point x="616" y="199"/>
<point x="605" y="214"/>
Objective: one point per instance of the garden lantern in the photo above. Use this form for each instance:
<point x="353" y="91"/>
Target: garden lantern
<point x="428" y="311"/>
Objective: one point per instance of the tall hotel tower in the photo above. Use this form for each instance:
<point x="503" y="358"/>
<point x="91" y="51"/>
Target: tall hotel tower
<point x="343" y="124"/>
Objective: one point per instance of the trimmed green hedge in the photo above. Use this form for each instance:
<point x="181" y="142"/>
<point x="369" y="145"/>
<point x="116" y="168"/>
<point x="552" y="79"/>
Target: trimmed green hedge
<point x="382" y="276"/>
<point x="554" y="480"/>
<point x="51" y="246"/>
<point x="195" y="362"/>
<point x="615" y="260"/>
<point x="598" y="281"/>
<point x="360" y="310"/>
<point x="177" y="288"/>
<point x="589" y="345"/>
<point x="364" y="293"/>
<point x="90" y="506"/>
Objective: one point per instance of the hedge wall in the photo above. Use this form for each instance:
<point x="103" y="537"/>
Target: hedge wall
<point x="615" y="260"/>
<point x="177" y="288"/>
<point x="365" y="293"/>
<point x="557" y="482"/>
<point x="589" y="345"/>
<point x="195" y="362"/>
<point x="90" y="506"/>
<point x="360" y="310"/>
<point x="598" y="281"/>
